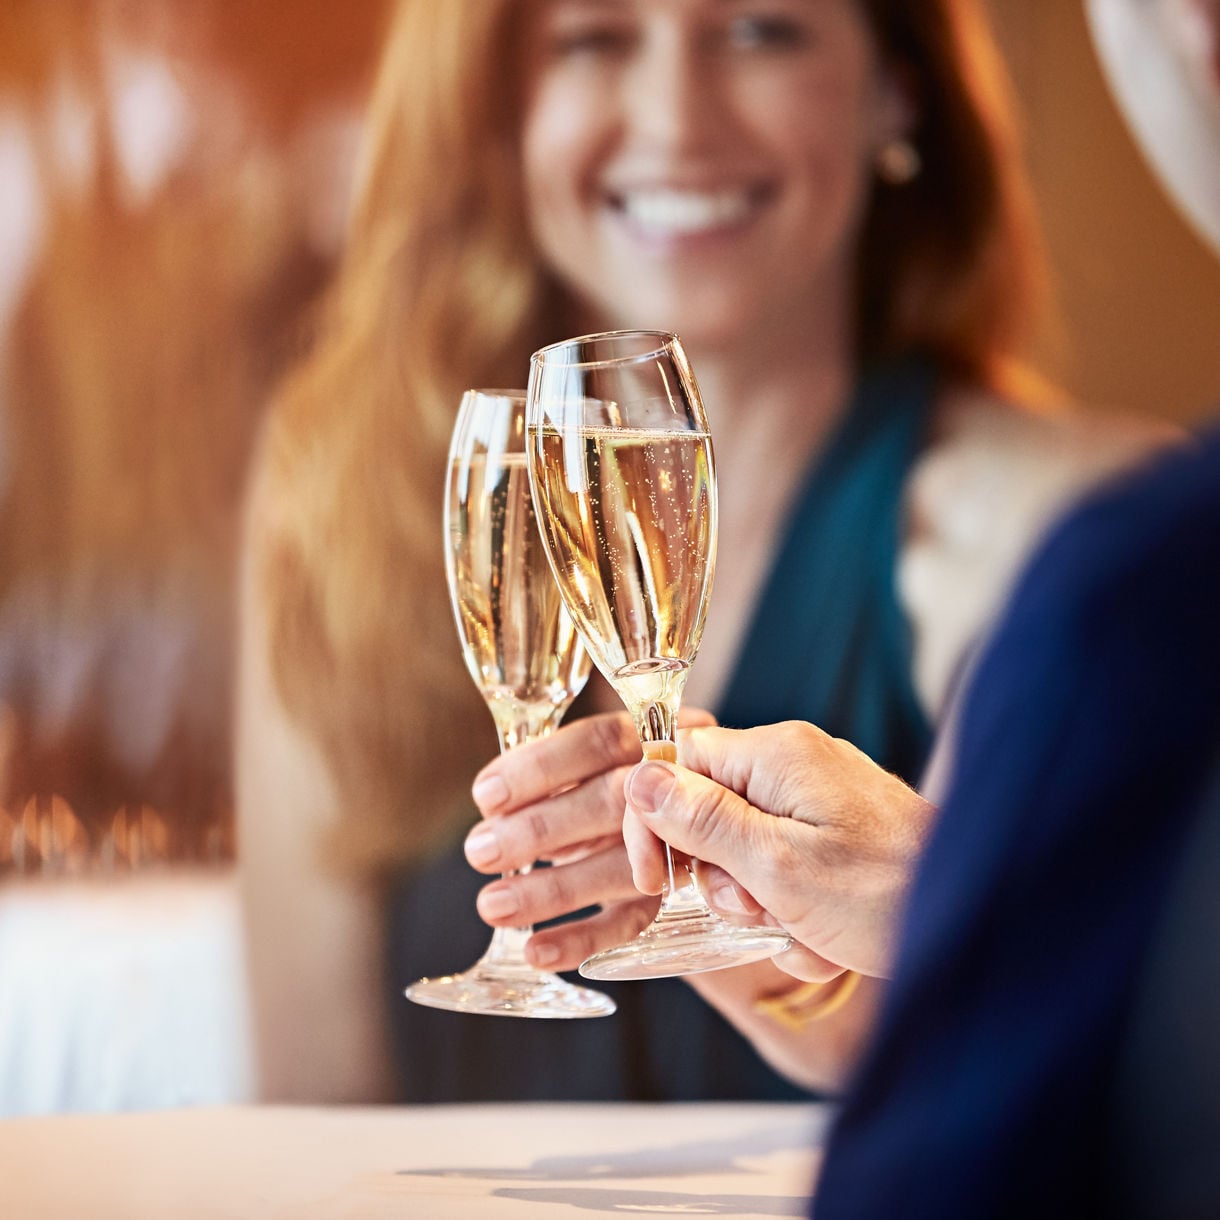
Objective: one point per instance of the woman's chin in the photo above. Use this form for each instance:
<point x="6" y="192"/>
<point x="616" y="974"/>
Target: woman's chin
<point x="708" y="328"/>
<point x="702" y="333"/>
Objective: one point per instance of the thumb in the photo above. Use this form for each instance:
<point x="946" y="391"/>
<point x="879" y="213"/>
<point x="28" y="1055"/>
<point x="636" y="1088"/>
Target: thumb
<point x="700" y="817"/>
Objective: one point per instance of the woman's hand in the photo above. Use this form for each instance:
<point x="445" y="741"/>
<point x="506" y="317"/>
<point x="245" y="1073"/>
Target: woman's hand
<point x="789" y="823"/>
<point x="560" y="800"/>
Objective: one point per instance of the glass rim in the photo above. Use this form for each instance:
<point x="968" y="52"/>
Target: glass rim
<point x="482" y="393"/>
<point x="665" y="342"/>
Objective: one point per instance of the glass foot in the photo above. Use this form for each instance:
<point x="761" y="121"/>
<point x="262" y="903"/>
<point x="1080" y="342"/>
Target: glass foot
<point x="510" y="991"/>
<point x="685" y="944"/>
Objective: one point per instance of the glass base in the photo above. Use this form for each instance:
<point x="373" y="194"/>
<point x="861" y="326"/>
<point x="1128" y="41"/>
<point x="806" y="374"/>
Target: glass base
<point x="685" y="944"/>
<point x="510" y="991"/>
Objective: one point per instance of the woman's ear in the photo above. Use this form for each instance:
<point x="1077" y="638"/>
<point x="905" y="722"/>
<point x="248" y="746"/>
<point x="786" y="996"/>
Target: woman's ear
<point x="896" y="157"/>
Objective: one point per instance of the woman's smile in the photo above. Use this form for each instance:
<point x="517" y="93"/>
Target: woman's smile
<point x="701" y="165"/>
<point x="670" y="212"/>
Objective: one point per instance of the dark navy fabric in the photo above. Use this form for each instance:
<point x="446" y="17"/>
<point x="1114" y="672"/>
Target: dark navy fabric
<point x="829" y="644"/>
<point x="1168" y="1104"/>
<point x="1085" y="743"/>
<point x="1168" y="1107"/>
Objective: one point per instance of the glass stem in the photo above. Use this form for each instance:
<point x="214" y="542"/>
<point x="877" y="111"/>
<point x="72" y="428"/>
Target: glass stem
<point x="507" y="947"/>
<point x="680" y="896"/>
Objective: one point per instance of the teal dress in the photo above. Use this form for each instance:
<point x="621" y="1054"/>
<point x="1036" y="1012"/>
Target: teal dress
<point x="828" y="643"/>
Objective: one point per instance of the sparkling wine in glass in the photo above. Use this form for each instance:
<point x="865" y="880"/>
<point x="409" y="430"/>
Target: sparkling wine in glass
<point x="525" y="658"/>
<point x="621" y="466"/>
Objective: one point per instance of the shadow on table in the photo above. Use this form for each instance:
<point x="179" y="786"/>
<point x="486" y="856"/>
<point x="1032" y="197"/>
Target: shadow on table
<point x="690" y="1159"/>
<point x="661" y="1203"/>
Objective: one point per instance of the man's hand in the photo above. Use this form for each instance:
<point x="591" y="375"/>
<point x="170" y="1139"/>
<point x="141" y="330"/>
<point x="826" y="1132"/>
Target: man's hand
<point x="788" y="821"/>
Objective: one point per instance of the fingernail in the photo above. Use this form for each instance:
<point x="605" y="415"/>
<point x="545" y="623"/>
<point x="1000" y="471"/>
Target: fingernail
<point x="482" y="848"/>
<point x="489" y="792"/>
<point x="648" y="786"/>
<point x="724" y="897"/>
<point x="497" y="904"/>
<point x="542" y="955"/>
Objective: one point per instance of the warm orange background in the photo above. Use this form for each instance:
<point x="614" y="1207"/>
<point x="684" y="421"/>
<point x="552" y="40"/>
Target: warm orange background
<point x="1138" y="292"/>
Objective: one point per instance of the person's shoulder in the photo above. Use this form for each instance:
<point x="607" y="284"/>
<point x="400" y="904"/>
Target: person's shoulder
<point x="998" y="470"/>
<point x="995" y="473"/>
<point x="1151" y="537"/>
<point x="1040" y="448"/>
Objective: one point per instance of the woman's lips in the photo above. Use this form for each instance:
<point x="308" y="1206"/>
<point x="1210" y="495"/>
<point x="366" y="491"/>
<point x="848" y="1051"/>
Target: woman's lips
<point x="669" y="212"/>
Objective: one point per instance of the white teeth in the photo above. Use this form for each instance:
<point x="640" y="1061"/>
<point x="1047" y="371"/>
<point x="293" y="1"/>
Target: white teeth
<point x="682" y="212"/>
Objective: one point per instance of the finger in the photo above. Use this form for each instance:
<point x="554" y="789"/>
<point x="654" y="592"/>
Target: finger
<point x="724" y="894"/>
<point x="566" y="945"/>
<point x="567" y="826"/>
<point x="646" y="853"/>
<point x="796" y="770"/>
<point x="802" y="963"/>
<point x="548" y="893"/>
<point x="539" y="769"/>
<point x="579" y="851"/>
<point x="771" y="858"/>
<point x="694" y="814"/>
<point x="574" y="753"/>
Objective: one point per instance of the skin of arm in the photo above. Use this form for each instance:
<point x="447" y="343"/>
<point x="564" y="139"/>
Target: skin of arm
<point x="313" y="935"/>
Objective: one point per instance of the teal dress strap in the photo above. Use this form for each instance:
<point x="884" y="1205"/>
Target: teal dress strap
<point x="829" y="641"/>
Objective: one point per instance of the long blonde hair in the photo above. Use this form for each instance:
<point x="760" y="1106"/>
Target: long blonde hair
<point x="442" y="289"/>
<point x="439" y="291"/>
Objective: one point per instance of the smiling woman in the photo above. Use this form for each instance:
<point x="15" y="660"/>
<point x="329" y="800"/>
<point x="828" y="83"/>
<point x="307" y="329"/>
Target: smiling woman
<point x="823" y="197"/>
<point x="703" y="167"/>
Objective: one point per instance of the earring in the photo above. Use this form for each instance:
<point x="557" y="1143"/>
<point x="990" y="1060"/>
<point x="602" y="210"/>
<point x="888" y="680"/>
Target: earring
<point x="898" y="162"/>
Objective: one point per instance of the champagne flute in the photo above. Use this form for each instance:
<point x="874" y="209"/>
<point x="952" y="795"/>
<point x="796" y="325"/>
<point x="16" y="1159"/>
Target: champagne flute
<point x="621" y="467"/>
<point x="525" y="658"/>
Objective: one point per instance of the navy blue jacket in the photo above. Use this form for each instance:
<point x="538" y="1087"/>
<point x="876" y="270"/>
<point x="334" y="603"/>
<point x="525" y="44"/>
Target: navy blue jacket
<point x="1085" y="744"/>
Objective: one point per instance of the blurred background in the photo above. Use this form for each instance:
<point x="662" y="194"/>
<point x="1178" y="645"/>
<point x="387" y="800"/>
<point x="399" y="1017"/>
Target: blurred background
<point x="174" y="181"/>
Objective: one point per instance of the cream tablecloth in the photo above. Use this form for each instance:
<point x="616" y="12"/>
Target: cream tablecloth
<point x="439" y="1163"/>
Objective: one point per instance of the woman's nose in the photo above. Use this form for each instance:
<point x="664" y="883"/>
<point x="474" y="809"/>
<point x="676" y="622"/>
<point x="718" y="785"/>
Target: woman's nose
<point x="676" y="96"/>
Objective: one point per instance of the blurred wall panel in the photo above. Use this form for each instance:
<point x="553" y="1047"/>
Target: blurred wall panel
<point x="1138" y="292"/>
<point x="174" y="180"/>
<point x="175" y="185"/>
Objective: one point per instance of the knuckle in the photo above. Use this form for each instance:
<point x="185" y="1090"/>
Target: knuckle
<point x="707" y="813"/>
<point x="614" y="738"/>
<point x="540" y="768"/>
<point x="524" y="774"/>
<point x="801" y="739"/>
<point x="559" y="891"/>
<point x="537" y="831"/>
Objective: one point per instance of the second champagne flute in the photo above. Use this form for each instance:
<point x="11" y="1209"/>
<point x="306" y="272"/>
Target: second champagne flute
<point x="525" y="658"/>
<point x="620" y="461"/>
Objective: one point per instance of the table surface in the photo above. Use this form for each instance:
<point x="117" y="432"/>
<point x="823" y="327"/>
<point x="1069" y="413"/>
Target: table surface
<point x="464" y="1162"/>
